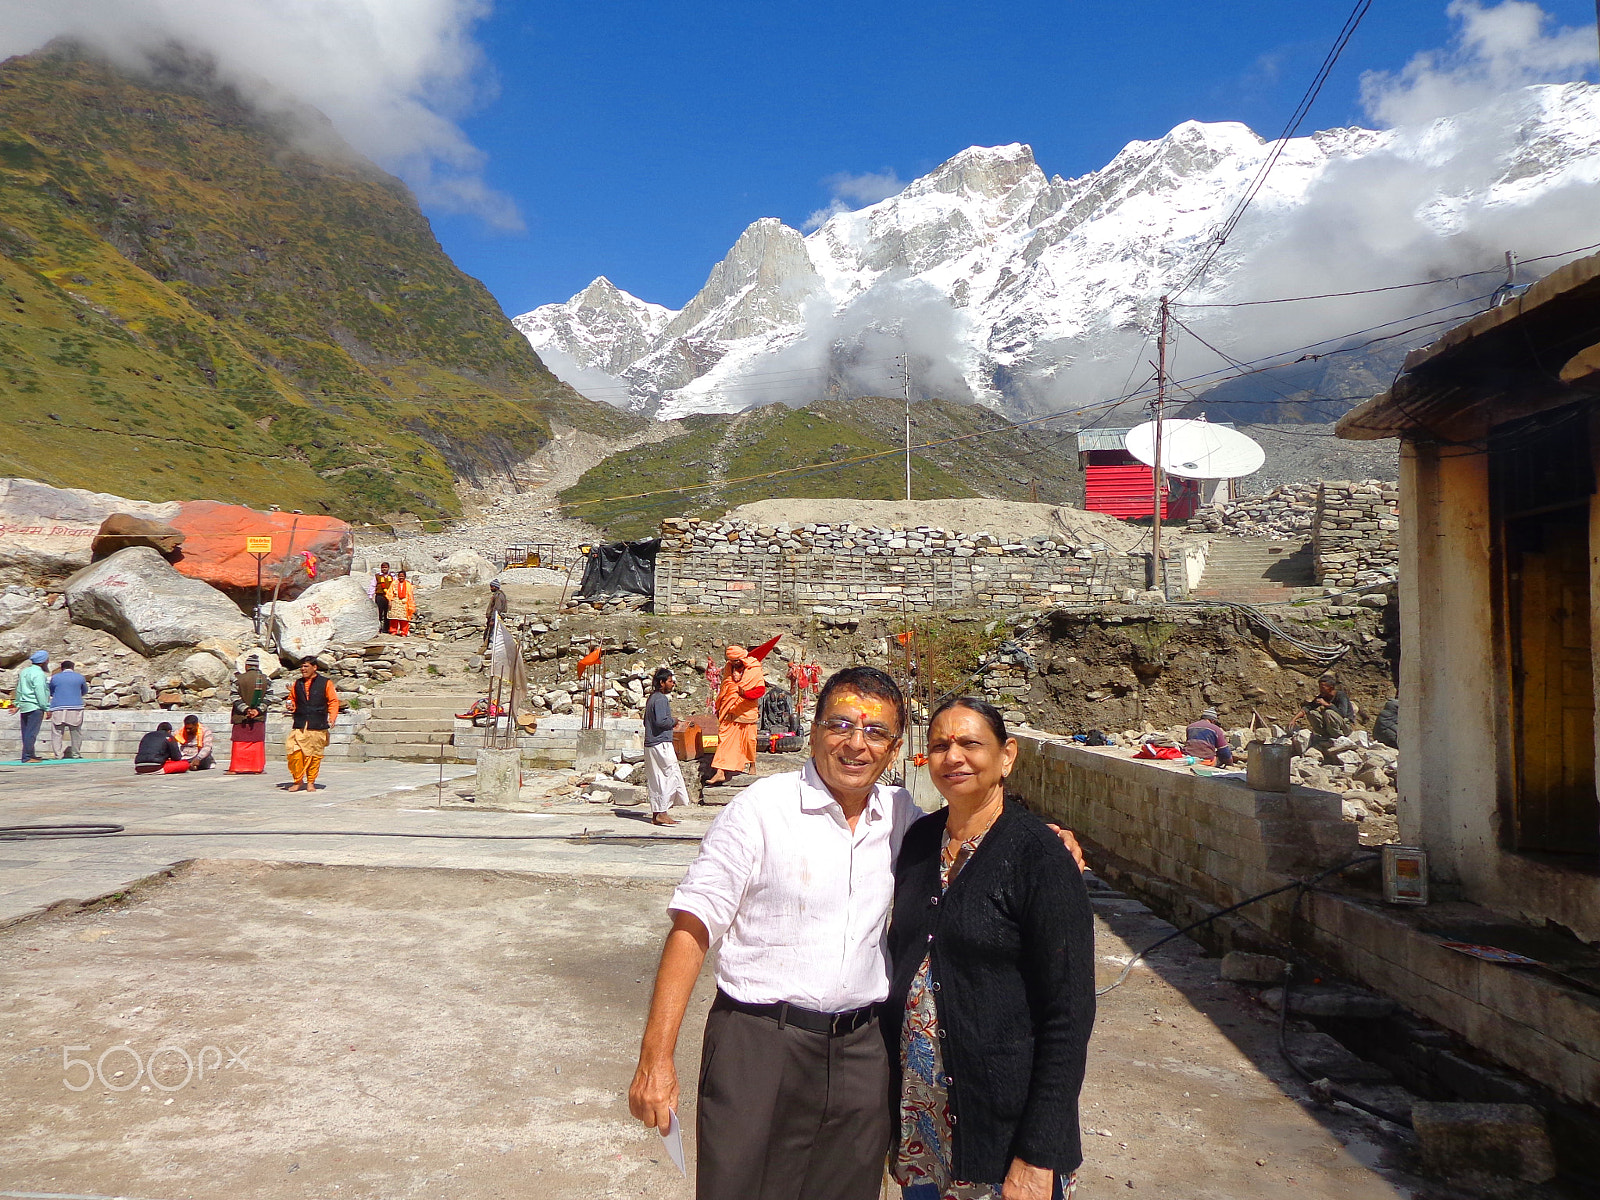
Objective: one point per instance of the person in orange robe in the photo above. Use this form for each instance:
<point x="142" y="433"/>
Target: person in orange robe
<point x="402" y="606"/>
<point x="738" y="712"/>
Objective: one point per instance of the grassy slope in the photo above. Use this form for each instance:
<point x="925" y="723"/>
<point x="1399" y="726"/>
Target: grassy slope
<point x="768" y="439"/>
<point x="190" y="306"/>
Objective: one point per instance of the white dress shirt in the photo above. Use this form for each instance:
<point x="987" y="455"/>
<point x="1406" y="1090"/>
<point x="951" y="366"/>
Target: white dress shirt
<point x="798" y="902"/>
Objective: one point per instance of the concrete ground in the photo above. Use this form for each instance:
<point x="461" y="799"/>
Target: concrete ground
<point x="459" y="1019"/>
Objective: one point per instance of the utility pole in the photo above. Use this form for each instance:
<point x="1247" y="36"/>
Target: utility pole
<point x="905" y="375"/>
<point x="1160" y="580"/>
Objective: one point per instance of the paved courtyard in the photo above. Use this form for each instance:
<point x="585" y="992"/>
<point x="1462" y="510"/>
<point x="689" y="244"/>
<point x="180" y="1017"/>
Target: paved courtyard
<point x="386" y="1017"/>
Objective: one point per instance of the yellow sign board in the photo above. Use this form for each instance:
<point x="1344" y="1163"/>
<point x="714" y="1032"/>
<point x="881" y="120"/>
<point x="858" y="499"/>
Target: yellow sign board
<point x="258" y="545"/>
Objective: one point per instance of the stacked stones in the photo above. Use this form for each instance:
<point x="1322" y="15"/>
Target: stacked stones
<point x="610" y="602"/>
<point x="739" y="567"/>
<point x="693" y="536"/>
<point x="1288" y="512"/>
<point x="357" y="667"/>
<point x="1357" y="533"/>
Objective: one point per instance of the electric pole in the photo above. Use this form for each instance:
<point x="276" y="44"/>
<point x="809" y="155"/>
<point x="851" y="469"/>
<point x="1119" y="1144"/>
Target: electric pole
<point x="1160" y="580"/>
<point x="905" y="375"/>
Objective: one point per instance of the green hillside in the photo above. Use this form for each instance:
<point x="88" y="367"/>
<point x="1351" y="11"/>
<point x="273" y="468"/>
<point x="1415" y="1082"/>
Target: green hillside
<point x="190" y="306"/>
<point x="1005" y="463"/>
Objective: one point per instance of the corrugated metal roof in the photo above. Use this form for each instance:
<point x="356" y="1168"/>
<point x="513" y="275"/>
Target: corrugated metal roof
<point x="1116" y="439"/>
<point x="1101" y="439"/>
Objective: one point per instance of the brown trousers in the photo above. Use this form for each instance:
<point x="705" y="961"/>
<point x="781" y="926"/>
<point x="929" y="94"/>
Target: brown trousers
<point x="786" y="1114"/>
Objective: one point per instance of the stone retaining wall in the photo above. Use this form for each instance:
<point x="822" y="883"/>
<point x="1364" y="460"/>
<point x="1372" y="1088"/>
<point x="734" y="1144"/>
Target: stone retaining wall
<point x="1191" y="845"/>
<point x="1356" y="537"/>
<point x="734" y="567"/>
<point x="115" y="733"/>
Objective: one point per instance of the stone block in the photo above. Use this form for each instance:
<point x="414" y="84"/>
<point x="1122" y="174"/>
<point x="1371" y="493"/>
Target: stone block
<point x="1484" y="1141"/>
<point x="1243" y="967"/>
<point x="499" y="780"/>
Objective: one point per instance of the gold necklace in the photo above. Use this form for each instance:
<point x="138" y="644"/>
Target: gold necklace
<point x="982" y="828"/>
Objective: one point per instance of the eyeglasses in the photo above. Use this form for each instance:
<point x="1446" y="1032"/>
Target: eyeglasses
<point x="875" y="735"/>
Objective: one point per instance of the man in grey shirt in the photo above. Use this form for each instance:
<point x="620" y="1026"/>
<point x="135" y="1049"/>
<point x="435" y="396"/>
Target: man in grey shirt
<point x="663" y="779"/>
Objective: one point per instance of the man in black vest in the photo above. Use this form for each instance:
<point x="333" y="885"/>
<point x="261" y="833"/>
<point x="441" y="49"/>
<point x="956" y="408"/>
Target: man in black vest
<point x="315" y="705"/>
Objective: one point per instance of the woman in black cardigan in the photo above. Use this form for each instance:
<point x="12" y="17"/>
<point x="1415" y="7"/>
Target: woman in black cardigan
<point x="992" y="952"/>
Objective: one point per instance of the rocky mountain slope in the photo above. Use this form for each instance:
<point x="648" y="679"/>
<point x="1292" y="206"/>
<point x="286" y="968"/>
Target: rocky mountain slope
<point x="193" y="302"/>
<point x="1030" y="293"/>
<point x="716" y="451"/>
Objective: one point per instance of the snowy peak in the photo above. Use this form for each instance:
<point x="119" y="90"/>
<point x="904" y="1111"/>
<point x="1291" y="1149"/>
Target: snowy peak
<point x="759" y="286"/>
<point x="1030" y="293"/>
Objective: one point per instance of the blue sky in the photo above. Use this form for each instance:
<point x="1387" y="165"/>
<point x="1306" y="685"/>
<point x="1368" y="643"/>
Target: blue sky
<point x="638" y="139"/>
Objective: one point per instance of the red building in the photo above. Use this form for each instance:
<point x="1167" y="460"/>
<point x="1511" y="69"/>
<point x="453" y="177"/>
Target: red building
<point x="1118" y="484"/>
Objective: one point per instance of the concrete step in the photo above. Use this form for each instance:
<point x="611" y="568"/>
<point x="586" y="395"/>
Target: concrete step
<point x="394" y="725"/>
<point x="440" y="738"/>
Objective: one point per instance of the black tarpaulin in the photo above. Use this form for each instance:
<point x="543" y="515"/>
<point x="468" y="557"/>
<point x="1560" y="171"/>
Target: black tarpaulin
<point x="620" y="567"/>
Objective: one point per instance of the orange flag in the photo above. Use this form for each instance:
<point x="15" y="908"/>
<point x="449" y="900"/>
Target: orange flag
<point x="589" y="659"/>
<point x="903" y="638"/>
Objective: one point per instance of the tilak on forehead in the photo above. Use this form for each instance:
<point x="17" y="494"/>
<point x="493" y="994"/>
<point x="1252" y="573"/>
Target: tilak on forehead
<point x="872" y="707"/>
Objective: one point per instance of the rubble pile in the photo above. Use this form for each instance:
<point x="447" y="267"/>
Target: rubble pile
<point x="1288" y="512"/>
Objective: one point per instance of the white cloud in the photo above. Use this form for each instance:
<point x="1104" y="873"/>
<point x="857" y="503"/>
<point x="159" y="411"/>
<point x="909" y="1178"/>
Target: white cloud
<point x="392" y="75"/>
<point x="1495" y="49"/>
<point x="850" y="192"/>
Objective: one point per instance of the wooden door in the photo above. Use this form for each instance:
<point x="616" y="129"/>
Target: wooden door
<point x="1556" y="806"/>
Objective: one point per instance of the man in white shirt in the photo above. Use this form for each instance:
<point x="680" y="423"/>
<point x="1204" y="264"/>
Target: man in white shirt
<point x="794" y="879"/>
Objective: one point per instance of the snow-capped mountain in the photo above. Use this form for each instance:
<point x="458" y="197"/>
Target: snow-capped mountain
<point x="1032" y="294"/>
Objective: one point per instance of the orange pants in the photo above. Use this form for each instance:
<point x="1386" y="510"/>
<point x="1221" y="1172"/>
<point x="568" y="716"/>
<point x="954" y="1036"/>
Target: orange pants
<point x="305" y="753"/>
<point x="736" y="746"/>
<point x="398" y="628"/>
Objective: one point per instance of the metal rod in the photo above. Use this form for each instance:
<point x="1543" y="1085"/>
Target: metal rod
<point x="1159" y="579"/>
<point x="905" y="365"/>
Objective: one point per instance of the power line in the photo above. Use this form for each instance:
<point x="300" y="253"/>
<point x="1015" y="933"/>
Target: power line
<point x="1291" y="127"/>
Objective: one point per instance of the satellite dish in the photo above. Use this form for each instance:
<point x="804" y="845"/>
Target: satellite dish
<point x="1196" y="449"/>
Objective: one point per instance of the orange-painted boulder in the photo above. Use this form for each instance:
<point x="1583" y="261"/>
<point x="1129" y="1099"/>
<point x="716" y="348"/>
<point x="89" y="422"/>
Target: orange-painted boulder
<point x="215" y="549"/>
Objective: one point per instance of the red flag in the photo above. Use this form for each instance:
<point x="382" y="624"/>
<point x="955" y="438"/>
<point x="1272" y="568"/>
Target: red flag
<point x="760" y="652"/>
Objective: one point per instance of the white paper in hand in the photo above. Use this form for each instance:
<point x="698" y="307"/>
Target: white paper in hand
<point x="674" y="1140"/>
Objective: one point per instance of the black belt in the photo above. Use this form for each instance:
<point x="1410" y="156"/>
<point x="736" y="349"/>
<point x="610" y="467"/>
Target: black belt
<point x="784" y="1013"/>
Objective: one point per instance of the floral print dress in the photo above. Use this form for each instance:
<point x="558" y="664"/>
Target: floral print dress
<point x="922" y="1164"/>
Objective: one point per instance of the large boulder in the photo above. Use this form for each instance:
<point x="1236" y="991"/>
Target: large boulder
<point x="335" y="612"/>
<point x="214" y="548"/>
<point x="140" y="598"/>
<point x="203" y="669"/>
<point x="121" y="530"/>
<point x="47" y="533"/>
<point x="41" y="629"/>
<point x="467" y="567"/>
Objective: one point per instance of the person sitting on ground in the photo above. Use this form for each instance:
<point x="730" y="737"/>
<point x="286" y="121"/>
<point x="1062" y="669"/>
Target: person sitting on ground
<point x="159" y="751"/>
<point x="195" y="741"/>
<point x="1329" y="714"/>
<point x="1207" y="741"/>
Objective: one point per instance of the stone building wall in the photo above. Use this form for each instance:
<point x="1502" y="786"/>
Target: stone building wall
<point x="1190" y="845"/>
<point x="1356" y="535"/>
<point x="733" y="567"/>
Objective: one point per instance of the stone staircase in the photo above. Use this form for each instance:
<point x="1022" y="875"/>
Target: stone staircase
<point x="415" y="726"/>
<point x="1257" y="571"/>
